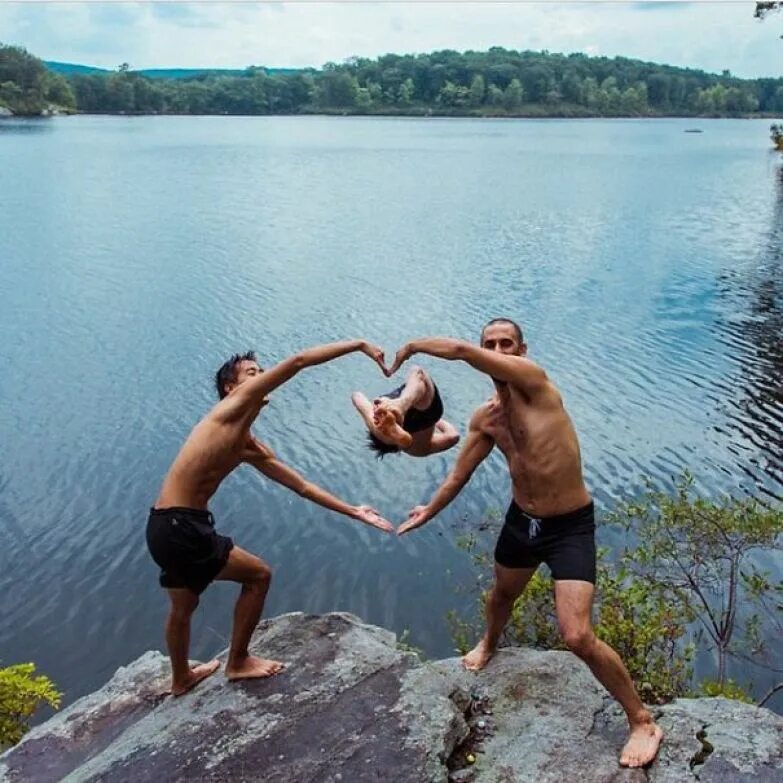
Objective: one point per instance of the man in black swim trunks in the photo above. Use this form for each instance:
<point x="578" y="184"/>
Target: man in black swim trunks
<point x="180" y="531"/>
<point x="550" y="519"/>
<point x="407" y="419"/>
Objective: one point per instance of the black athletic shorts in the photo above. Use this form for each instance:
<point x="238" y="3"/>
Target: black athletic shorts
<point x="183" y="542"/>
<point x="566" y="543"/>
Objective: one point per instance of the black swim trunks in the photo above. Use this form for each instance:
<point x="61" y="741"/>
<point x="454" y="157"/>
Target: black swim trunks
<point x="183" y="542"/>
<point x="417" y="420"/>
<point x="566" y="543"/>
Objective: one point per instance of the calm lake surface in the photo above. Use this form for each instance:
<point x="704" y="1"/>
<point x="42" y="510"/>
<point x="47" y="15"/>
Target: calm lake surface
<point x="136" y="254"/>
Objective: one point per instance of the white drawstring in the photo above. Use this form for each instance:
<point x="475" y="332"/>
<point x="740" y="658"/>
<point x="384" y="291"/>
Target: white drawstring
<point x="535" y="526"/>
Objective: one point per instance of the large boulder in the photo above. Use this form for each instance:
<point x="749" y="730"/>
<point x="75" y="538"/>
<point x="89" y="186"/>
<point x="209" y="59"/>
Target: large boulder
<point x="351" y="706"/>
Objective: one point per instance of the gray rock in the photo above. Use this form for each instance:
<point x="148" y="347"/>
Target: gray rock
<point x="5" y="112"/>
<point x="352" y="707"/>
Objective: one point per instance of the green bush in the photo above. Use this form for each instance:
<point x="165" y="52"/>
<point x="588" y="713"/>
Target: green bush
<point x="21" y="693"/>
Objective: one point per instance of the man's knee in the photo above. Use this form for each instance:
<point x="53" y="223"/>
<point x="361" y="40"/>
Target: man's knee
<point x="261" y="577"/>
<point x="181" y="612"/>
<point x="580" y="640"/>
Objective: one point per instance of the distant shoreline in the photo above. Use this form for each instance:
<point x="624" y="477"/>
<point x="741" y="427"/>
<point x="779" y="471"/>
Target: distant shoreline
<point x="420" y="115"/>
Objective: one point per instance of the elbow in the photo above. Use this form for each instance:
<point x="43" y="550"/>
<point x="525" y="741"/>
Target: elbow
<point x="299" y="362"/>
<point x="461" y="350"/>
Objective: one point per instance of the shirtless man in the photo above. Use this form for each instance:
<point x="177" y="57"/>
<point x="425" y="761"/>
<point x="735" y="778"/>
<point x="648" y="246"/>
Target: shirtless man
<point x="180" y="531"/>
<point x="550" y="519"/>
<point x="407" y="419"/>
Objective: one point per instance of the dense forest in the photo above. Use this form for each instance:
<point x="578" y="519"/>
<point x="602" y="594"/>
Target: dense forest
<point x="499" y="82"/>
<point x="27" y="87"/>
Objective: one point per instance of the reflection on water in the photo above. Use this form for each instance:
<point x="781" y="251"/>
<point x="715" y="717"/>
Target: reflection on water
<point x="756" y="402"/>
<point x="137" y="253"/>
<point x="16" y="126"/>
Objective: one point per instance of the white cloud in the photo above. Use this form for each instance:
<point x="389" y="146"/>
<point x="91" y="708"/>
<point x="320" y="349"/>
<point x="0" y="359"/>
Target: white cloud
<point x="712" y="36"/>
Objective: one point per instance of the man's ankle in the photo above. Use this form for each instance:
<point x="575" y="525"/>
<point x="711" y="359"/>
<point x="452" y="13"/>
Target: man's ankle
<point x="641" y="717"/>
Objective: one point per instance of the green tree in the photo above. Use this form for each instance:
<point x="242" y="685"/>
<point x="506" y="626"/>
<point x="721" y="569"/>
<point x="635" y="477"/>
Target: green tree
<point x="513" y="95"/>
<point x="338" y="88"/>
<point x="453" y="95"/>
<point x="494" y="95"/>
<point x="477" y="90"/>
<point x="701" y="549"/>
<point x="21" y="693"/>
<point x="405" y="92"/>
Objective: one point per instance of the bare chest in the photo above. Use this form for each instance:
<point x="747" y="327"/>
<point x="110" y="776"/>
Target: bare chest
<point x="508" y="429"/>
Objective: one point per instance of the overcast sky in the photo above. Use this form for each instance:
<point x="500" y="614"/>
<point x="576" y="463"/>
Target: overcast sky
<point x="709" y="35"/>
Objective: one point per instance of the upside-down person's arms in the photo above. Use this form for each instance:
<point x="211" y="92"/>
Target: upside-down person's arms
<point x="263" y="459"/>
<point x="516" y="370"/>
<point x="476" y="449"/>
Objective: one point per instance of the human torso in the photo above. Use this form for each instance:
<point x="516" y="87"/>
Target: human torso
<point x="539" y="442"/>
<point x="213" y="449"/>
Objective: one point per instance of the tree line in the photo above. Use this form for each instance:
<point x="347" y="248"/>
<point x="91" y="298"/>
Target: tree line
<point x="27" y="87"/>
<point x="497" y="82"/>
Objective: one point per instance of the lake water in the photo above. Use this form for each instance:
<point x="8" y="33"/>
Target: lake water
<point x="136" y="254"/>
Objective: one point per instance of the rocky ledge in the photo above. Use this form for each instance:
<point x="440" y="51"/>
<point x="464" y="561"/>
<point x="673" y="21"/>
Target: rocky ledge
<point x="352" y="706"/>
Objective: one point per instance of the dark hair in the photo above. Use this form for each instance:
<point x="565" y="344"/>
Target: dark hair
<point x="516" y="326"/>
<point x="228" y="372"/>
<point x="381" y="449"/>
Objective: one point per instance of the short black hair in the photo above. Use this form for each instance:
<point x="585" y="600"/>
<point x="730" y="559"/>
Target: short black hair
<point x="228" y="372"/>
<point x="381" y="449"/>
<point x="517" y="327"/>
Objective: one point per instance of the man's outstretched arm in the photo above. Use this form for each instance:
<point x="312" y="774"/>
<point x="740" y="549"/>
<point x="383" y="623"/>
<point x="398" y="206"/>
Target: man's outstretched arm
<point x="516" y="370"/>
<point x="263" y="459"/>
<point x="477" y="447"/>
<point x="257" y="388"/>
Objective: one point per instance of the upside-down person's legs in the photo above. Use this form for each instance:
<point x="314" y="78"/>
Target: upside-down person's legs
<point x="507" y="587"/>
<point x="255" y="577"/>
<point x="183" y="677"/>
<point x="574" y="602"/>
<point x="413" y="393"/>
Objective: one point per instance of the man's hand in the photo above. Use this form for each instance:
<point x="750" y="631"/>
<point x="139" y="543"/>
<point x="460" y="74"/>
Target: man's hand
<point x="376" y="354"/>
<point x="371" y="517"/>
<point x="416" y="518"/>
<point x="402" y="355"/>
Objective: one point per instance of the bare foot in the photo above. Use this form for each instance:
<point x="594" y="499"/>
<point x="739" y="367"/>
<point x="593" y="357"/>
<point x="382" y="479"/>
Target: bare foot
<point x="252" y="667"/>
<point x="642" y="745"/>
<point x="478" y="657"/>
<point x="195" y="676"/>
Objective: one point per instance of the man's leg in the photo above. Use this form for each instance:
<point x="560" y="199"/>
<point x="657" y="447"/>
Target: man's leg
<point x="507" y="587"/>
<point x="183" y="677"/>
<point x="255" y="576"/>
<point x="574" y="603"/>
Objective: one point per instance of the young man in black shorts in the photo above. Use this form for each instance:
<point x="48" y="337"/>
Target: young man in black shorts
<point x="181" y="531"/>
<point x="550" y="519"/>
